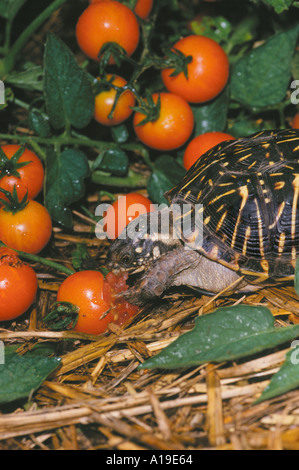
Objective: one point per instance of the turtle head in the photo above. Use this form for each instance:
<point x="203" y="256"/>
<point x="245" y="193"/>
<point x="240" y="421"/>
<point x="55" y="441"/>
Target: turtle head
<point x="143" y="241"/>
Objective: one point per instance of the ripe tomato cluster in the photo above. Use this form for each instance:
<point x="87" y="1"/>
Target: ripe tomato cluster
<point x="25" y="224"/>
<point x="172" y="124"/>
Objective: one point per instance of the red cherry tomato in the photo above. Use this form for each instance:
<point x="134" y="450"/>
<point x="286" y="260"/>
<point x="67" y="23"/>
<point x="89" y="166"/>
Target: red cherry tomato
<point x="201" y="144"/>
<point x="85" y="290"/>
<point x="208" y="71"/>
<point x="104" y="102"/>
<point x="29" y="177"/>
<point x="124" y="210"/>
<point x="173" y="126"/>
<point x="142" y="7"/>
<point x="107" y="21"/>
<point x="18" y="285"/>
<point x="94" y="297"/>
<point x="27" y="230"/>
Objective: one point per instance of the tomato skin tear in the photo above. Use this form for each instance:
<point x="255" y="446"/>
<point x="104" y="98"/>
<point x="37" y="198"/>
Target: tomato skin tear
<point x="121" y="309"/>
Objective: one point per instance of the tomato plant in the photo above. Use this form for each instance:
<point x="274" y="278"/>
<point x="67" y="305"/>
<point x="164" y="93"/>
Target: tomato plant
<point x="173" y="126"/>
<point x="201" y="144"/>
<point x="123" y="211"/>
<point x="18" y="285"/>
<point x="105" y="112"/>
<point x="94" y="298"/>
<point x="107" y="21"/>
<point x="22" y="168"/>
<point x="27" y="228"/>
<point x="142" y="7"/>
<point x="207" y="73"/>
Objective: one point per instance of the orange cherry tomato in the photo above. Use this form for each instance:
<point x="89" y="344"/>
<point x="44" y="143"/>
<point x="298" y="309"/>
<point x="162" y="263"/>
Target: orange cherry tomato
<point x="28" y="229"/>
<point x="295" y="121"/>
<point x="107" y="21"/>
<point x="18" y="285"/>
<point x="201" y="144"/>
<point x="94" y="297"/>
<point x="104" y="102"/>
<point x="208" y="71"/>
<point x="142" y="7"/>
<point x="29" y="177"/>
<point x="124" y="210"/>
<point x="173" y="126"/>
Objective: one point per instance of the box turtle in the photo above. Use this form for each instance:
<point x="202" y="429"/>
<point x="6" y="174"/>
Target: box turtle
<point x="242" y="200"/>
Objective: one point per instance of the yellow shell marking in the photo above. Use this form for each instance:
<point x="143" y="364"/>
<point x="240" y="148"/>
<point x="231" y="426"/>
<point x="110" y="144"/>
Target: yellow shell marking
<point x="243" y="190"/>
<point x="294" y="205"/>
<point x="247" y="236"/>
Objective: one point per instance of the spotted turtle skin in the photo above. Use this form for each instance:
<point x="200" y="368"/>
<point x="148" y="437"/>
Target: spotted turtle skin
<point x="248" y="192"/>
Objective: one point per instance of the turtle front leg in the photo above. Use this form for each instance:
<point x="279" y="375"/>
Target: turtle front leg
<point x="163" y="274"/>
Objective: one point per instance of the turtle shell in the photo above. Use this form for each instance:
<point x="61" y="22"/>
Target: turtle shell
<point x="246" y="192"/>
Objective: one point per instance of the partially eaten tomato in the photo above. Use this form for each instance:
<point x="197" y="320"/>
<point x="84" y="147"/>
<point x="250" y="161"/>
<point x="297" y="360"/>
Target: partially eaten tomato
<point x="121" y="309"/>
<point x="96" y="300"/>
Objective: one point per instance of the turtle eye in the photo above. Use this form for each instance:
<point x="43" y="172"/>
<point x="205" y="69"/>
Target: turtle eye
<point x="127" y="257"/>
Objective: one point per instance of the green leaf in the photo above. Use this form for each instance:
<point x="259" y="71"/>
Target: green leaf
<point x="21" y="375"/>
<point x="245" y="29"/>
<point x="261" y="77"/>
<point x="212" y="116"/>
<point x="28" y="79"/>
<point x="227" y="334"/>
<point x="79" y="256"/>
<point x="120" y="134"/>
<point x="287" y="377"/>
<point x="167" y="173"/>
<point x="295" y="65"/>
<point x="9" y="8"/>
<point x="279" y="5"/>
<point x="113" y="161"/>
<point x="64" y="182"/>
<point x="214" y="27"/>
<point x="38" y="122"/>
<point x="68" y="90"/>
<point x="245" y="127"/>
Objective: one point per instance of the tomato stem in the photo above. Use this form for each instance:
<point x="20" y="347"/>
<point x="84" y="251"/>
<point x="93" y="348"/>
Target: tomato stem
<point x="133" y="180"/>
<point x="79" y="140"/>
<point x="9" y="60"/>
<point x="44" y="261"/>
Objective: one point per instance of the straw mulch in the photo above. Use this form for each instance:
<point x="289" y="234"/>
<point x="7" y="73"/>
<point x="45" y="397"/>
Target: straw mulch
<point x="98" y="399"/>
